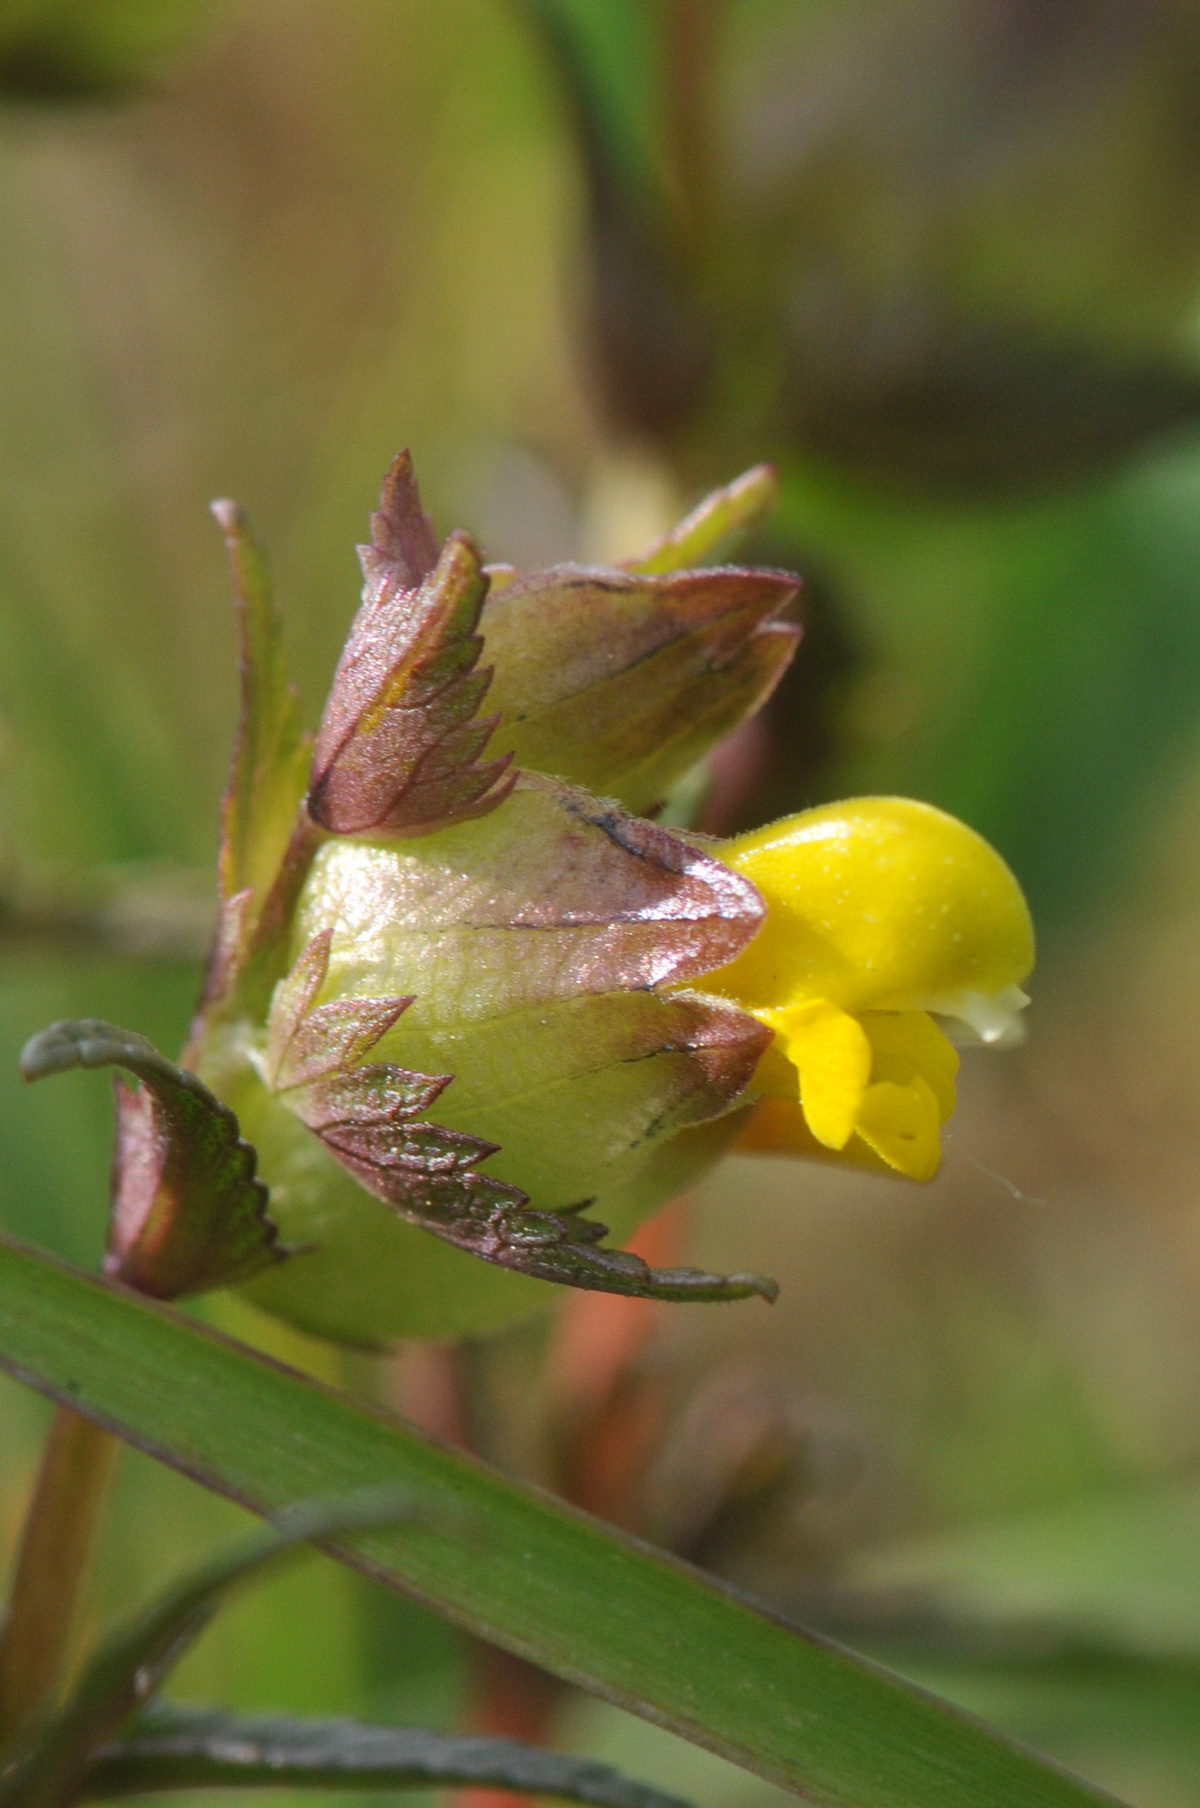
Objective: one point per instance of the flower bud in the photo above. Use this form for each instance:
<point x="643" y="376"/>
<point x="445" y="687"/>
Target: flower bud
<point x="463" y="1004"/>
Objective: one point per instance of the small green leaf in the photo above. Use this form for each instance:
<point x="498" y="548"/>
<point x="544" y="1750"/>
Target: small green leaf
<point x="715" y="526"/>
<point x="134" y="1660"/>
<point x="585" y="1602"/>
<point x="267" y="837"/>
<point x="270" y="761"/>
<point x="619" y="681"/>
<point x="187" y="1213"/>
<point x="192" y="1748"/>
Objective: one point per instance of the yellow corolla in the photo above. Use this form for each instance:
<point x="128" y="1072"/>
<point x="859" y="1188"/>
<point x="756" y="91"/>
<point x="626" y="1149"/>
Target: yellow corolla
<point x="883" y="914"/>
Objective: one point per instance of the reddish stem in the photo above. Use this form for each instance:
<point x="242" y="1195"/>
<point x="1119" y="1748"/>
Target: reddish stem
<point x="609" y="1424"/>
<point x="52" y="1566"/>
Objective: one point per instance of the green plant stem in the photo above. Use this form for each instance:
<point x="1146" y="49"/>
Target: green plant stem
<point x="52" y="1566"/>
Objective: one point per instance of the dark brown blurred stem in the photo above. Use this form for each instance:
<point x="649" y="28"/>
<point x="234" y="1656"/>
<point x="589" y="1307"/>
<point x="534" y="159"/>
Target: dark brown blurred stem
<point x="689" y="47"/>
<point x="52" y="1566"/>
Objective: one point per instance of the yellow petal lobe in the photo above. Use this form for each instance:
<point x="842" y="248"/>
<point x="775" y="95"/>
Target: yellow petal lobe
<point x="831" y="1053"/>
<point x="908" y="1045"/>
<point x="901" y="1124"/>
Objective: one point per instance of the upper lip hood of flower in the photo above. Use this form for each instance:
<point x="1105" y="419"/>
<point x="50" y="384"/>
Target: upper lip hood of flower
<point x="884" y="903"/>
<point x="881" y="913"/>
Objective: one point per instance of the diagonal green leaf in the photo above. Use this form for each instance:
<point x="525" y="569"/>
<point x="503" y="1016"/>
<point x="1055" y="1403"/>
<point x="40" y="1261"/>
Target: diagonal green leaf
<point x="270" y="761"/>
<point x="607" y="60"/>
<point x="187" y="1211"/>
<point x="193" y="1748"/>
<point x="538" y="1578"/>
<point x="134" y="1660"/>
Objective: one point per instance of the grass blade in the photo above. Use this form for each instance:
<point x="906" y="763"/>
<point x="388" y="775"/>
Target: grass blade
<point x="533" y="1576"/>
<point x="133" y="1661"/>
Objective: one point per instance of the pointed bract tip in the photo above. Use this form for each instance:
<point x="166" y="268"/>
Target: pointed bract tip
<point x="228" y="515"/>
<point x="400" y="530"/>
<point x="399" y="743"/>
<point x="753" y="495"/>
<point x="763" y="479"/>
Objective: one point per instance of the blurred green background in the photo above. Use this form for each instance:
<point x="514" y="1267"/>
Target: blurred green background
<point x="940" y="259"/>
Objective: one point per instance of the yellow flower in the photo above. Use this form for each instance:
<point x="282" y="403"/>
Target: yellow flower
<point x="882" y="915"/>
